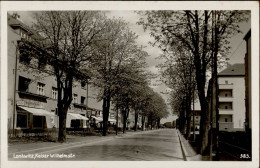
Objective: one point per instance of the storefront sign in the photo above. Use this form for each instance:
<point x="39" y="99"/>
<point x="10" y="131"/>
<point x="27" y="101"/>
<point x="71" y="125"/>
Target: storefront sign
<point x="29" y="103"/>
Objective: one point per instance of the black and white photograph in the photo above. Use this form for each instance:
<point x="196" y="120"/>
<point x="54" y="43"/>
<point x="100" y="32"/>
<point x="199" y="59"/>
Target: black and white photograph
<point x="133" y="84"/>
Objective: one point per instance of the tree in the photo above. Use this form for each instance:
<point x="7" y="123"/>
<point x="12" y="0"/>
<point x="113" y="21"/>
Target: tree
<point x="192" y="30"/>
<point x="115" y="50"/>
<point x="67" y="38"/>
<point x="178" y="74"/>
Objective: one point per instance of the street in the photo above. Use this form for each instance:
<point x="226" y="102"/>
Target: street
<point x="156" y="145"/>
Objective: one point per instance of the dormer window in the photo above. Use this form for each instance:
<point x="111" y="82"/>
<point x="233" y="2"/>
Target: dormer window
<point x="24" y="35"/>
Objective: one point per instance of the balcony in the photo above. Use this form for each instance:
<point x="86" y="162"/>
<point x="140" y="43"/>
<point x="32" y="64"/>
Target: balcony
<point x="25" y="94"/>
<point x="225" y="86"/>
<point x="225" y="99"/>
<point x="226" y="126"/>
<point x="226" y="111"/>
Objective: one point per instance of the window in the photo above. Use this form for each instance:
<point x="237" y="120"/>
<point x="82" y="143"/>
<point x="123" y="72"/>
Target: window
<point x="23" y="84"/>
<point x="42" y="62"/>
<point x="54" y="93"/>
<point x="22" y="120"/>
<point x="75" y="98"/>
<point x="23" y="35"/>
<point x="37" y="121"/>
<point x="226" y="107"/>
<point x="24" y="56"/>
<point x="75" y="124"/>
<point x="82" y="100"/>
<point x="83" y="84"/>
<point x="226" y="120"/>
<point x="40" y="88"/>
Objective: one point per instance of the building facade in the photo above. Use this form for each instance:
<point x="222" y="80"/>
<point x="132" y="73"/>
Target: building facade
<point x="248" y="80"/>
<point x="232" y="110"/>
<point x="32" y="94"/>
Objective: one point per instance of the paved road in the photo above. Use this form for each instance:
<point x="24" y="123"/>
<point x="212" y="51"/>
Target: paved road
<point x="158" y="145"/>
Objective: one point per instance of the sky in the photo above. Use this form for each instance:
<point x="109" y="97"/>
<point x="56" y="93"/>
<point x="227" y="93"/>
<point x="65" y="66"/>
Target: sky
<point x="237" y="52"/>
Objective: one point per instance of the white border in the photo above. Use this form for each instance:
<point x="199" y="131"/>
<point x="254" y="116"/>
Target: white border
<point x="132" y="5"/>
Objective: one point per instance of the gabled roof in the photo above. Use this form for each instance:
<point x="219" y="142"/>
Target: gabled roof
<point x="233" y="70"/>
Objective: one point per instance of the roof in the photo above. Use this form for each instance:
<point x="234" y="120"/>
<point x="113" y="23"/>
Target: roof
<point x="248" y="34"/>
<point x="17" y="23"/>
<point x="233" y="70"/>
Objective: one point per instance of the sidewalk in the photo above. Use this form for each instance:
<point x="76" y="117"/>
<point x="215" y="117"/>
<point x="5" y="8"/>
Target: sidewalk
<point x="72" y="140"/>
<point x="189" y="153"/>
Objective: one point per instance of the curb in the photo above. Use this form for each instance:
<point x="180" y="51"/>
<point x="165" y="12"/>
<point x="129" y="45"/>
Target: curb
<point x="185" y="146"/>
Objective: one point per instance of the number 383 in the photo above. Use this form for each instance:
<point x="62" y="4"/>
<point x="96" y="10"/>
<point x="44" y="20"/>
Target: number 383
<point x="245" y="156"/>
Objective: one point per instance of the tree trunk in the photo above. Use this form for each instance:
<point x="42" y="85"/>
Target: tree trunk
<point x="106" y="106"/>
<point x="64" y="103"/>
<point x="124" y="120"/>
<point x="62" y="125"/>
<point x="182" y="120"/>
<point x="158" y="123"/>
<point x="188" y="115"/>
<point x="204" y="123"/>
<point x="116" y="118"/>
<point x="143" y="122"/>
<point x="151" y="123"/>
<point x="136" y="119"/>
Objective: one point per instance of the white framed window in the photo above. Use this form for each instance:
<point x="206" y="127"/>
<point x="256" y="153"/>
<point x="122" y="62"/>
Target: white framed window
<point x="54" y="93"/>
<point x="75" y="98"/>
<point x="40" y="88"/>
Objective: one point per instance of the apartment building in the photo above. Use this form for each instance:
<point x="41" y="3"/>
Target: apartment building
<point x="32" y="94"/>
<point x="232" y="98"/>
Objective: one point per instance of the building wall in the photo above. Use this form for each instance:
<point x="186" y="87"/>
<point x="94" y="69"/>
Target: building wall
<point x="13" y="36"/>
<point x="236" y="83"/>
<point x="49" y="104"/>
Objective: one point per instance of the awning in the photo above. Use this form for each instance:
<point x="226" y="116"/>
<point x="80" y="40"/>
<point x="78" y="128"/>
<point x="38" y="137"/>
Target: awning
<point x="97" y="118"/>
<point x="77" y="116"/>
<point x="37" y="112"/>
